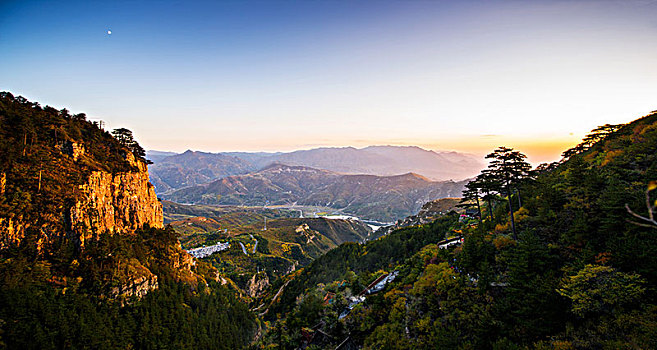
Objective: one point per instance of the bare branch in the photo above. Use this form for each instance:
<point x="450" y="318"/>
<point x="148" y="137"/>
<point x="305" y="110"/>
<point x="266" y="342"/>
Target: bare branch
<point x="639" y="216"/>
<point x="642" y="225"/>
<point x="649" y="206"/>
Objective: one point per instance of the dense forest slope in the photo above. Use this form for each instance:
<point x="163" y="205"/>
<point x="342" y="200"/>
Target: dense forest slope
<point x="582" y="273"/>
<point x="385" y="198"/>
<point x="83" y="248"/>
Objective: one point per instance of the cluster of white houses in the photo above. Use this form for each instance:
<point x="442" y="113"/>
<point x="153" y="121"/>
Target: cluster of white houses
<point x="202" y="252"/>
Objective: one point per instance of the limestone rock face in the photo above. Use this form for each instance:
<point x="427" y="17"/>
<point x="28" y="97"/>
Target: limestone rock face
<point x="307" y="232"/>
<point x="122" y="202"/>
<point x="184" y="261"/>
<point x="137" y="287"/>
<point x="12" y="231"/>
<point x="3" y="183"/>
<point x="73" y="149"/>
<point x="107" y="203"/>
<point x="258" y="283"/>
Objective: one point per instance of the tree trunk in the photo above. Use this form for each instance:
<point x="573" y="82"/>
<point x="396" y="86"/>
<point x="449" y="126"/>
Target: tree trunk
<point x="490" y="207"/>
<point x="481" y="221"/>
<point x="513" y="223"/>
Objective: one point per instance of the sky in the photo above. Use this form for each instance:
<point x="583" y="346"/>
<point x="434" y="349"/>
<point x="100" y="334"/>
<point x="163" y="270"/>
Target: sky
<point x="276" y="75"/>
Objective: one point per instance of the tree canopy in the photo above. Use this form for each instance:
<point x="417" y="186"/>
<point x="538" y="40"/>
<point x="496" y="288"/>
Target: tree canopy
<point x="124" y="136"/>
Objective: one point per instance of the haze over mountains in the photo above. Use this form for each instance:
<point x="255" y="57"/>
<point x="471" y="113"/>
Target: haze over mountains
<point x="384" y="198"/>
<point x="174" y="171"/>
<point x="193" y="168"/>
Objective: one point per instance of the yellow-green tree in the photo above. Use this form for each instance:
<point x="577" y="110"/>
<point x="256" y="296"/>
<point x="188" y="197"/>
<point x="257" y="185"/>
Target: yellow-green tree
<point x="601" y="289"/>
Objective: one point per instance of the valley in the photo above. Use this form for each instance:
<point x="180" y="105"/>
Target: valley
<point x="370" y="197"/>
<point x="279" y="260"/>
<point x="259" y="243"/>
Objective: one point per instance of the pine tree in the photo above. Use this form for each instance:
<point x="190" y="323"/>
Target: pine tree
<point x="488" y="185"/>
<point x="124" y="136"/>
<point x="509" y="168"/>
<point x="471" y="193"/>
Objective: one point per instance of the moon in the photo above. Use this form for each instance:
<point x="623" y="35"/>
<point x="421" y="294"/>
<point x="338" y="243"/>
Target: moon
<point x="109" y="32"/>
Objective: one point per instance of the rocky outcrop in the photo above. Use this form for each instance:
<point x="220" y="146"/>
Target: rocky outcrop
<point x="72" y="149"/>
<point x="12" y="231"/>
<point x="137" y="287"/>
<point x="306" y="231"/>
<point x="439" y="207"/>
<point x="258" y="283"/>
<point x="184" y="260"/>
<point x="111" y="203"/>
<point x="3" y="183"/>
<point x="107" y="203"/>
<point x="72" y="185"/>
<point x="183" y="264"/>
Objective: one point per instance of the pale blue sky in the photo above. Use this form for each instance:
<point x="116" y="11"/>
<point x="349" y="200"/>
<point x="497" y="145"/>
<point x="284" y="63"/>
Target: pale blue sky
<point x="283" y="75"/>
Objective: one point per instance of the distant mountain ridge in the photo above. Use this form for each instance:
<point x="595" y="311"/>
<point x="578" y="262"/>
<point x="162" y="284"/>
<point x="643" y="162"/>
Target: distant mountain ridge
<point x="193" y="168"/>
<point x="384" y="198"/>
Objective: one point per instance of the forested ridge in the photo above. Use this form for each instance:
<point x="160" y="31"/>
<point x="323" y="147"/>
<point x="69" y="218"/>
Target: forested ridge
<point x="579" y="272"/>
<point x="39" y="174"/>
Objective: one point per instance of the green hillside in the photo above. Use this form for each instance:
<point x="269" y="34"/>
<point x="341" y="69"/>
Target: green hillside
<point x="581" y="275"/>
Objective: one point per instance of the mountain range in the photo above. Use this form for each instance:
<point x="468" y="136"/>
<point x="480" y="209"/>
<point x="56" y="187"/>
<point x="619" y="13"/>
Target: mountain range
<point x="385" y="198"/>
<point x="174" y="171"/>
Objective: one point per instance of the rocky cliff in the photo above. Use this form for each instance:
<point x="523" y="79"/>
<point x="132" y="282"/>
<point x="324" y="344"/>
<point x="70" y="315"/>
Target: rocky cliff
<point x="107" y="202"/>
<point x="12" y="228"/>
<point x="77" y="199"/>
<point x="13" y="231"/>
<point x="258" y="284"/>
<point x="110" y="203"/>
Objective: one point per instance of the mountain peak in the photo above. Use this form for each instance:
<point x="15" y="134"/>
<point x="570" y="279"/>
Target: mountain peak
<point x="417" y="176"/>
